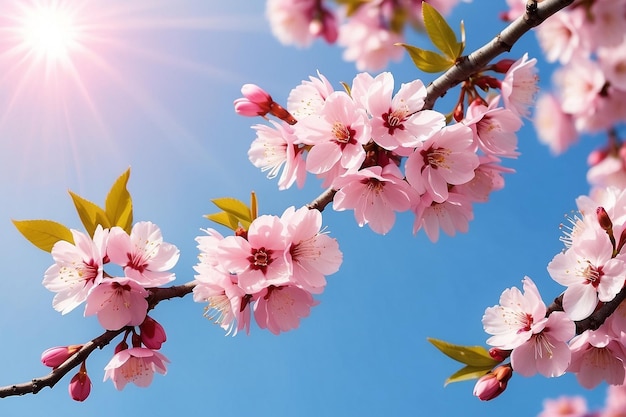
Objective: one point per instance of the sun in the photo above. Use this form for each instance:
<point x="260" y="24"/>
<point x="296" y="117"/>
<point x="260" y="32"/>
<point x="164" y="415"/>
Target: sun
<point x="49" y="32"/>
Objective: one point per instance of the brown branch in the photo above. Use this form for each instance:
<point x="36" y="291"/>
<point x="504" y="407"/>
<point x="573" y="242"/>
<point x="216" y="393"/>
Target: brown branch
<point x="477" y="60"/>
<point x="34" y="386"/>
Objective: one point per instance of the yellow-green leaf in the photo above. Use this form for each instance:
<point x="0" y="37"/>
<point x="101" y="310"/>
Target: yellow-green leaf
<point x="428" y="61"/>
<point x="119" y="205"/>
<point x="467" y="372"/>
<point x="224" y="219"/>
<point x="43" y="233"/>
<point x="91" y="215"/>
<point x="476" y="356"/>
<point x="440" y="33"/>
<point x="254" y="206"/>
<point x="237" y="208"/>
<point x="351" y="5"/>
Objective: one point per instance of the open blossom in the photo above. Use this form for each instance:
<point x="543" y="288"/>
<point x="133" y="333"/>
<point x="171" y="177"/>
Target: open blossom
<point x="445" y="158"/>
<point x="565" y="407"/>
<point x="398" y="121"/>
<point x="375" y="194"/>
<point x="337" y="134"/>
<point x="555" y="128"/>
<point x="118" y="302"/>
<point x="313" y="253"/>
<point x="146" y="258"/>
<point x="450" y="216"/>
<point x="280" y="309"/>
<point x="77" y="268"/>
<point x="487" y="178"/>
<point x="274" y="149"/>
<point x="519" y="323"/>
<point x="597" y="357"/>
<point x="259" y="261"/>
<point x="136" y="365"/>
<point x="290" y="21"/>
<point x="520" y="85"/>
<point x="589" y="272"/>
<point x="493" y="128"/>
<point x="560" y="35"/>
<point x="308" y="98"/>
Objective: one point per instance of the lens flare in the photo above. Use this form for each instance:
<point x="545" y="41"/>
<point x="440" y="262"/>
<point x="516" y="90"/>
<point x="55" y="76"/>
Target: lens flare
<point x="49" y="32"/>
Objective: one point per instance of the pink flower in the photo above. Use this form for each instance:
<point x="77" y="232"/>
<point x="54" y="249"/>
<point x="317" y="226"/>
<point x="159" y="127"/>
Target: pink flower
<point x="256" y="101"/>
<point x="520" y="85"/>
<point x="367" y="42"/>
<point x="450" y="216"/>
<point x="580" y="84"/>
<point x="77" y="268"/>
<point x="274" y="149"/>
<point x="487" y="178"/>
<point x="589" y="272"/>
<point x="607" y="23"/>
<point x="55" y="356"/>
<point x="260" y="260"/>
<point x="118" y="302"/>
<point x="398" y="121"/>
<point x="313" y="253"/>
<point x="80" y="385"/>
<point x="564" y="407"/>
<point x="560" y="35"/>
<point x="136" y="365"/>
<point x="554" y="127"/>
<point x="280" y="309"/>
<point x="375" y="194"/>
<point x="493" y="128"/>
<point x="447" y="158"/>
<point x="613" y="64"/>
<point x="290" y="21"/>
<point x="337" y="134"/>
<point x="308" y="98"/>
<point x="597" y="357"/>
<point x="143" y="254"/>
<point x="152" y="333"/>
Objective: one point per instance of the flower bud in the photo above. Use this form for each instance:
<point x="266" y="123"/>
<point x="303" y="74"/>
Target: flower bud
<point x="499" y="354"/>
<point x="255" y="101"/>
<point x="604" y="219"/>
<point x="493" y="384"/>
<point x="152" y="333"/>
<point x="503" y="66"/>
<point x="80" y="385"/>
<point x="55" y="356"/>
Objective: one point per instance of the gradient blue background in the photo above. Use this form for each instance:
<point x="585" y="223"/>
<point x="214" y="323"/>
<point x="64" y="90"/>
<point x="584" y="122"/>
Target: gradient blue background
<point x="157" y="96"/>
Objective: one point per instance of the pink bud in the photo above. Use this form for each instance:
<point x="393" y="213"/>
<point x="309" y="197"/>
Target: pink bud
<point x="597" y="156"/>
<point x="499" y="354"/>
<point x="55" y="356"/>
<point x="493" y="384"/>
<point x="604" y="219"/>
<point x="503" y="66"/>
<point x="256" y="94"/>
<point x="245" y="107"/>
<point x="152" y="333"/>
<point x="80" y="385"/>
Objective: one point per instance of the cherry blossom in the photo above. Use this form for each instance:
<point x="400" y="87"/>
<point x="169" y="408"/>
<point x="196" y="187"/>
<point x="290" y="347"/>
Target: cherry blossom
<point x="493" y="128"/>
<point x="146" y="258"/>
<point x="280" y="309"/>
<point x="77" y="268"/>
<point x="560" y="35"/>
<point x="555" y="128"/>
<point x="290" y="21"/>
<point x="308" y="98"/>
<point x="445" y="158"/>
<point x="450" y="216"/>
<point x="255" y="101"/>
<point x="313" y="253"/>
<point x="136" y="365"/>
<point x="55" y="356"/>
<point x="259" y="261"/>
<point x="274" y="149"/>
<point x="152" y="333"/>
<point x="118" y="302"/>
<point x="375" y="194"/>
<point x="80" y="385"/>
<point x="564" y="407"/>
<point x="520" y="85"/>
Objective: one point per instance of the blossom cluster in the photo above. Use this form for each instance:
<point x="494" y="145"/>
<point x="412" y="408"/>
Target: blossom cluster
<point x="118" y="301"/>
<point x="577" y="406"/>
<point x="368" y="30"/>
<point x="385" y="153"/>
<point x="592" y="267"/>
<point x="272" y="269"/>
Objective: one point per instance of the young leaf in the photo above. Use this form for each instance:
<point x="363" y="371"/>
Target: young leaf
<point x="119" y="205"/>
<point x="224" y="219"/>
<point x="235" y="207"/>
<point x="467" y="372"/>
<point x="476" y="356"/>
<point x="91" y="215"/>
<point x="428" y="61"/>
<point x="43" y="233"/>
<point x="440" y="33"/>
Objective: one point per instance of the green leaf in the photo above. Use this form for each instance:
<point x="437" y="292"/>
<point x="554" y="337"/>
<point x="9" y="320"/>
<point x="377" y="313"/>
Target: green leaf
<point x="476" y="356"/>
<point x="235" y="207"/>
<point x="119" y="205"/>
<point x="428" y="61"/>
<point x="224" y="219"/>
<point x="467" y="372"/>
<point x="43" y="233"/>
<point x="440" y="33"/>
<point x="351" y="5"/>
<point x="91" y="215"/>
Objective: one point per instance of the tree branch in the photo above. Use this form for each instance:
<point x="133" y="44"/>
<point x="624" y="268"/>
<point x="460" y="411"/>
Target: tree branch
<point x="33" y="387"/>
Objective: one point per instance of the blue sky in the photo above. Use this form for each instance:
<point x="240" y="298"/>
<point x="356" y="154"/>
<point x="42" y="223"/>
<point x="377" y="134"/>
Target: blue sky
<point x="155" y="94"/>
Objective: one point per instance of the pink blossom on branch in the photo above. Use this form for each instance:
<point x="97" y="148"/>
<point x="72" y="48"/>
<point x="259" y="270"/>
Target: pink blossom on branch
<point x="450" y="216"/>
<point x="136" y="365"/>
<point x="280" y="309"/>
<point x="493" y="128"/>
<point x="118" y="302"/>
<point x="77" y="268"/>
<point x="519" y="86"/>
<point x="143" y="254"/>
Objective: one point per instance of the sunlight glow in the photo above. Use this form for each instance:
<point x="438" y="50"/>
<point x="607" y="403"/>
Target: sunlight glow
<point x="49" y="32"/>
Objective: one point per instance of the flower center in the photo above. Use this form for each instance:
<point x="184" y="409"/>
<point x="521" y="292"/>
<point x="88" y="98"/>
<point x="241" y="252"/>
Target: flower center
<point x="436" y="158"/>
<point x="260" y="258"/>
<point x="592" y="274"/>
<point x="342" y="133"/>
<point x="393" y="120"/>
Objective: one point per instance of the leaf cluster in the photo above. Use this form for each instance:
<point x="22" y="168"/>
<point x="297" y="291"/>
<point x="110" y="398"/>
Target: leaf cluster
<point x="477" y="360"/>
<point x="235" y="213"/>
